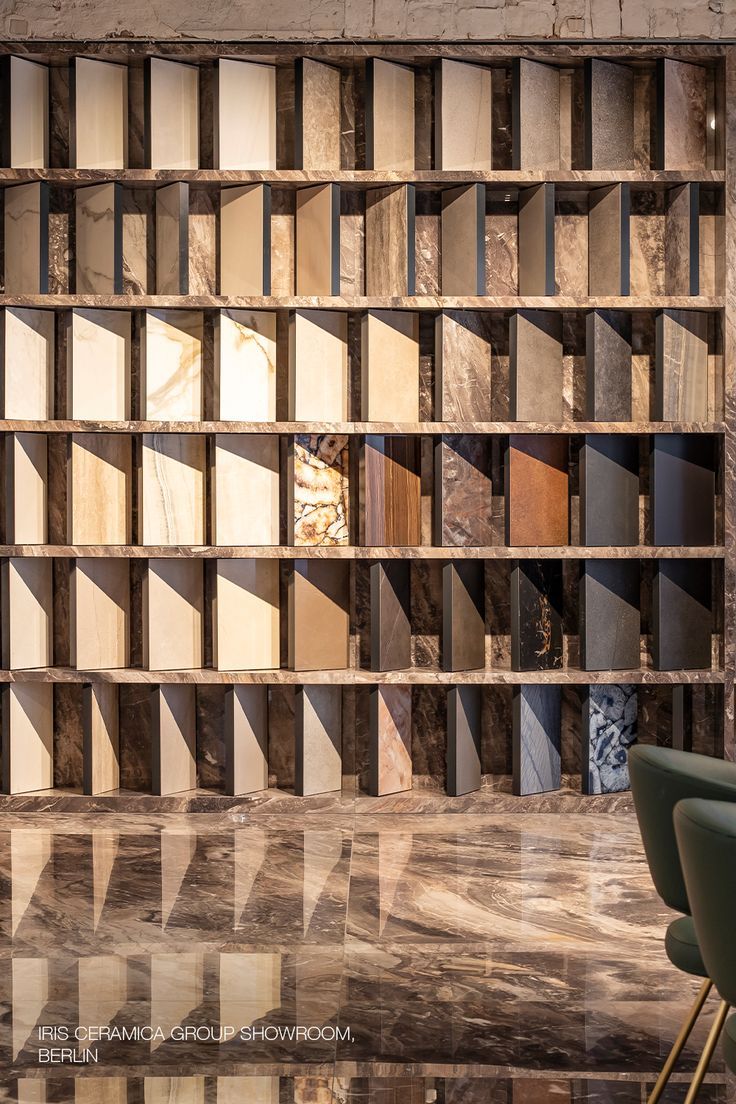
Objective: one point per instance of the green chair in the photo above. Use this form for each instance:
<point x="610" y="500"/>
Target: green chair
<point x="660" y="777"/>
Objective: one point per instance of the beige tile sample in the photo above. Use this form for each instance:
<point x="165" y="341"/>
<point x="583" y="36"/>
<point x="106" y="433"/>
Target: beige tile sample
<point x="317" y="111"/>
<point x="246" y="615"/>
<point x="462" y="116"/>
<point x="245" y="240"/>
<point x="389" y="116"/>
<point x="28" y="363"/>
<point x="257" y="1090"/>
<point x="172" y="130"/>
<point x="26" y="488"/>
<point x="318" y="366"/>
<point x="26" y="243"/>
<point x="681" y="371"/>
<point x="537" y="240"/>
<point x="172" y="488"/>
<point x="681" y="102"/>
<point x="28" y="737"/>
<point x="245" y="366"/>
<point x="389" y="241"/>
<point x="98" y="365"/>
<point x="99" y="614"/>
<point x="246" y="739"/>
<point x="318" y="728"/>
<point x="609" y="249"/>
<point x="245" y="489"/>
<point x="173" y="601"/>
<point x="101" y="1090"/>
<point x="172" y="239"/>
<point x="25" y="91"/>
<point x="536" y="115"/>
<point x="174" y="768"/>
<point x="463" y="261"/>
<point x="174" y="1090"/>
<point x="27" y="622"/>
<point x="244" y="115"/>
<point x="171" y="365"/>
<point x="390" y="366"/>
<point x="99" y="488"/>
<point x="99" y="120"/>
<point x="99" y="239"/>
<point x="390" y="762"/>
<point x="101" y="737"/>
<point x="318" y="615"/>
<point x="318" y="240"/>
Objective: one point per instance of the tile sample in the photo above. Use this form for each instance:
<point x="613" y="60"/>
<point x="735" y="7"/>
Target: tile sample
<point x="28" y="737"/>
<point x="99" y="488"/>
<point x="98" y="346"/>
<point x="389" y="362"/>
<point x="244" y="115"/>
<point x="389" y="116"/>
<point x="536" y="615"/>
<point x="537" y="505"/>
<point x="681" y="111"/>
<point x="245" y="366"/>
<point x="682" y="489"/>
<point x="389" y="241"/>
<point x="610" y="622"/>
<point x="100" y="738"/>
<point x="535" y="366"/>
<point x="245" y="216"/>
<point x="27" y="390"/>
<point x="317" y="270"/>
<point x="245" y="615"/>
<point x="171" y="365"/>
<point x="535" y="120"/>
<point x="463" y="740"/>
<point x="318" y="615"/>
<point x="318" y="731"/>
<point x="172" y="115"/>
<point x="392" y="492"/>
<point x="98" y="115"/>
<point x="537" y="240"/>
<point x="173" y="740"/>
<point x="609" y="251"/>
<point x="173" y="600"/>
<point x="172" y="494"/>
<point x="463" y="366"/>
<point x="24" y="119"/>
<point x="246" y="739"/>
<point x="681" y="393"/>
<point x="172" y="239"/>
<point x="26" y="488"/>
<point x="462" y="116"/>
<point x="463" y="616"/>
<point x="609" y="115"/>
<point x="317" y="115"/>
<point x="26" y="241"/>
<point x="318" y="366"/>
<point x="463" y="498"/>
<point x="609" y="490"/>
<point x="609" y="730"/>
<point x="390" y="740"/>
<point x="27" y="622"/>
<point x="608" y="366"/>
<point x="99" y="239"/>
<point x="682" y="615"/>
<point x="245" y="489"/>
<point x="681" y="240"/>
<point x="536" y="731"/>
<point x="99" y="616"/>
<point x="390" y="615"/>
<point x="319" y="486"/>
<point x="463" y="251"/>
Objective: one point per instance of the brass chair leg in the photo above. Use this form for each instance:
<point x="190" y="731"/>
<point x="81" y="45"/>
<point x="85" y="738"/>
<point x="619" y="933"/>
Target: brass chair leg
<point x="680" y="1041"/>
<point x="710" y="1045"/>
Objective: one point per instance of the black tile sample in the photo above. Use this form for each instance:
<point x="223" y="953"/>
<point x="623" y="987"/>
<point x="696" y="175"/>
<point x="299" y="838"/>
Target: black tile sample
<point x="608" y="366"/>
<point x="463" y="740"/>
<point x="390" y="616"/>
<point x="682" y="616"/>
<point x="683" y="485"/>
<point x="610" y="621"/>
<point x="609" y="730"/>
<point x="536" y="615"/>
<point x="536" y="732"/>
<point x="463" y="616"/>
<point x="609" y="490"/>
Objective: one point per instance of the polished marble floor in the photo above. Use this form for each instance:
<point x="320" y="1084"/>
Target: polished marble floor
<point x="510" y="958"/>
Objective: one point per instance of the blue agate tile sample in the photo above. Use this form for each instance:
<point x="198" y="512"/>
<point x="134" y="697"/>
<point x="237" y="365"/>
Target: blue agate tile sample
<point x="610" y="720"/>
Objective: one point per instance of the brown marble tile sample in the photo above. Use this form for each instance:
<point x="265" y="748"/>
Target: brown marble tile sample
<point x="610" y="621"/>
<point x="319" y="487"/>
<point x="608" y="240"/>
<point x="172" y="114"/>
<point x="26" y="241"/>
<point x="99" y="623"/>
<point x="317" y="115"/>
<point x="318" y="733"/>
<point x="24" y="116"/>
<point x="245" y="489"/>
<point x="171" y="347"/>
<point x="173" y="740"/>
<point x="681" y="114"/>
<point x="682" y="615"/>
<point x="172" y="239"/>
<point x="28" y="737"/>
<point x="318" y="240"/>
<point x="609" y="115"/>
<point x="463" y="366"/>
<point x="536" y="739"/>
<point x="389" y="361"/>
<point x="245" y="615"/>
<point x="318" y="366"/>
<point x="98" y="114"/>
<point x="26" y="488"/>
<point x="537" y="505"/>
<point x="27" y="622"/>
<point x="172" y="489"/>
<point x="463" y="740"/>
<point x="101" y="737"/>
<point x="463" y="616"/>
<point x="27" y="341"/>
<point x="173" y="601"/>
<point x="463" y="240"/>
<point x="463" y="492"/>
<point x="99" y="239"/>
<point x="536" y="615"/>
<point x="608" y="390"/>
<point x="318" y="615"/>
<point x="245" y="366"/>
<point x="99" y="345"/>
<point x="537" y="240"/>
<point x="99" y="488"/>
<point x="389" y="765"/>
<point x="462" y="116"/>
<point x="392" y="491"/>
<point x="244" y="120"/>
<point x="390" y="615"/>
<point x="535" y="115"/>
<point x="246" y="739"/>
<point x="681" y="244"/>
<point x="389" y="241"/>
<point x="389" y="116"/>
<point x="245" y="216"/>
<point x="682" y="489"/>
<point x="536" y="366"/>
<point x="681" y="391"/>
<point x="609" y="489"/>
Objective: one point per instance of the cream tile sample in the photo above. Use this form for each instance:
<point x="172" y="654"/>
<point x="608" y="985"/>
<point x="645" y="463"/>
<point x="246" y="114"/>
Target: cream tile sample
<point x="171" y="366"/>
<point x="98" y="367"/>
<point x="245" y="489"/>
<point x="100" y="614"/>
<point x="257" y="1090"/>
<point x="318" y="240"/>
<point x="246" y="739"/>
<point x="319" y="489"/>
<point x="390" y="366"/>
<point x="101" y="736"/>
<point x="174" y="768"/>
<point x="27" y="623"/>
<point x="26" y="488"/>
<point x="390" y="116"/>
<point x="245" y="366"/>
<point x="100" y="124"/>
<point x="173" y="115"/>
<point x="245" y="115"/>
<point x="245" y="216"/>
<point x="172" y="615"/>
<point x="318" y="724"/>
<point x="172" y="239"/>
<point x="28" y="737"/>
<point x="29" y="114"/>
<point x="463" y="116"/>
<point x="318" y="366"/>
<point x="99" y="239"/>
<point x="173" y="488"/>
<point x="26" y="239"/>
<point x="246" y="615"/>
<point x="99" y="488"/>
<point x="28" y="363"/>
<point x="317" y="115"/>
<point x="173" y="1090"/>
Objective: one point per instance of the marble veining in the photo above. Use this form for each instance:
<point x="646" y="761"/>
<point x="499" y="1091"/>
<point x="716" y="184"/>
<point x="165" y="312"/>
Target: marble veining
<point x="612" y="729"/>
<point x="321" y="490"/>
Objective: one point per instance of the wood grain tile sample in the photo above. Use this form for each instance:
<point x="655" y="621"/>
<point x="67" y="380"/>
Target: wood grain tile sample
<point x="28" y="737"/>
<point x="172" y="481"/>
<point x="172" y="239"/>
<point x="26" y="242"/>
<point x="99" y="628"/>
<point x="390" y="740"/>
<point x="318" y="366"/>
<point x="24" y="91"/>
<point x="681" y="240"/>
<point x="28" y="363"/>
<point x="463" y="366"/>
<point x="537" y="240"/>
<point x="609" y="115"/>
<point x="682" y="489"/>
<point x="609" y="490"/>
<point x="173" y="600"/>
<point x="536" y="615"/>
<point x="317" y="115"/>
<point x="26" y="488"/>
<point x="245" y="366"/>
<point x="99" y="488"/>
<point x="463" y="501"/>
<point x="245" y="615"/>
<point x="609" y="729"/>
<point x="27" y="622"/>
<point x="171" y="366"/>
<point x="245" y="216"/>
<point x="537" y="506"/>
<point x="319" y="490"/>
<point x="98" y="365"/>
<point x="246" y="739"/>
<point x="462" y="116"/>
<point x="318" y="731"/>
<point x="681" y="111"/>
<point x="244" y="115"/>
<point x="100" y="737"/>
<point x="610" y="622"/>
<point x="318" y="240"/>
<point x="681" y="393"/>
<point x="390" y="615"/>
<point x="389" y="241"/>
<point x="245" y="489"/>
<point x="318" y="615"/>
<point x="609" y="250"/>
<point x="535" y="123"/>
<point x="392" y="492"/>
<point x="99" y="239"/>
<point x="536" y="732"/>
<point x="463" y="740"/>
<point x="463" y="252"/>
<point x="389" y="116"/>
<point x="608" y="366"/>
<point x="682" y="615"/>
<point x="390" y="366"/>
<point x="172" y="115"/>
<point x="463" y="616"/>
<point x="535" y="366"/>
<point x="173" y="739"/>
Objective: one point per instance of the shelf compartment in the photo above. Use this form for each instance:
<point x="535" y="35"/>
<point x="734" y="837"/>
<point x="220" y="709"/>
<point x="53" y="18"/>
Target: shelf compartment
<point x="99" y="348"/>
<point x="390" y="755"/>
<point x="609" y="115"/>
<point x="28" y="737"/>
<point x="172" y="114"/>
<point x="98" y="237"/>
<point x="390" y="615"/>
<point x="28" y="613"/>
<point x="172" y="384"/>
<point x="609" y="245"/>
<point x="609" y="490"/>
<point x="100" y="738"/>
<point x="99" y="488"/>
<point x="536" y="739"/>
<point x="682" y="615"/>
<point x="245" y="490"/>
<point x="536" y="615"/>
<point x="463" y="245"/>
<point x="683" y="489"/>
<point x="317" y="115"/>
<point x="463" y="491"/>
<point x="609" y="728"/>
<point x="246" y="739"/>
<point x="610" y="620"/>
<point x="463" y="366"/>
<point x="26" y="241"/>
<point x="318" y="490"/>
<point x="318" y="617"/>
<point x="535" y="115"/>
<point x="681" y="111"/>
<point x="390" y="366"/>
<point x="608" y="354"/>
<point x="390" y="477"/>
<point x="462" y="116"/>
<point x="318" y="740"/>
<point x="537" y="479"/>
<point x="245" y="615"/>
<point x="245" y="366"/>
<point x="24" y="125"/>
<point x="682" y="373"/>
<point x="26" y="488"/>
<point x="536" y="366"/>
<point x="390" y="263"/>
<point x="317" y="223"/>
<point x="99" y="626"/>
<point x="463" y="616"/>
<point x="245" y="215"/>
<point x="172" y="239"/>
<point x="244" y="88"/>
<point x="173" y="615"/>
<point x="28" y="352"/>
<point x="173" y="739"/>
<point x="389" y="116"/>
<point x="172" y="489"/>
<point x="464" y="724"/>
<point x="537" y="240"/>
<point x="98" y="114"/>
<point x="318" y="366"/>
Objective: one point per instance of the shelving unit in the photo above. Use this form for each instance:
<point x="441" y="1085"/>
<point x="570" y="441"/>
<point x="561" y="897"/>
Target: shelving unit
<point x="349" y="400"/>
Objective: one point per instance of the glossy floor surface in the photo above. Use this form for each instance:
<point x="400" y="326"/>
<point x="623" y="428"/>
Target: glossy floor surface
<point x="515" y="959"/>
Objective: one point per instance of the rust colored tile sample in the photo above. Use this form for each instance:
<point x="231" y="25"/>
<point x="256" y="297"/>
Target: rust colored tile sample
<point x="390" y="740"/>
<point x="537" y="504"/>
<point x="463" y="491"/>
<point x="392" y="491"/>
<point x="318" y="615"/>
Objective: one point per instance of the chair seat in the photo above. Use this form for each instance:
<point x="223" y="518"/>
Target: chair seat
<point x="682" y="948"/>
<point x="729" y="1042"/>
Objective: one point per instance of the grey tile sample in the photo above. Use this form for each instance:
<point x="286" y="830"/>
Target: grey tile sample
<point x="318" y="735"/>
<point x="609" y="490"/>
<point x="681" y="372"/>
<point x="463" y="740"/>
<point x="682" y="616"/>
<point x="535" y="108"/>
<point x="609" y="115"/>
<point x="463" y="616"/>
<point x="390" y="616"/>
<point x="609" y="730"/>
<point x="608" y="366"/>
<point x="682" y="717"/>
<point x="463" y="240"/>
<point x="536" y="366"/>
<point x="537" y="240"/>
<point x="536" y="730"/>
<point x="536" y="615"/>
<point x="682" y="487"/>
<point x="608" y="240"/>
<point x="610" y="621"/>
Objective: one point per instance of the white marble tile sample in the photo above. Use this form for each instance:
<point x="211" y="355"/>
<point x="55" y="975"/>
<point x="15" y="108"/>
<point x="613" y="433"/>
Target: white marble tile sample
<point x="171" y="366"/>
<point x="463" y="116"/>
<point x="99" y="239"/>
<point x="390" y="366"/>
<point x="28" y="737"/>
<point x="246" y="615"/>
<point x="245" y="366"/>
<point x="245" y="115"/>
<point x="26" y="488"/>
<point x="318" y="366"/>
<point x="99" y="614"/>
<point x="28" y="363"/>
<point x="98" y="365"/>
<point x="26" y="243"/>
<point x="172" y="132"/>
<point x="245" y="240"/>
<point x="172" y="488"/>
<point x="26" y="95"/>
<point x="245" y="489"/>
<point x="99" y="122"/>
<point x="27" y="623"/>
<point x="173" y="599"/>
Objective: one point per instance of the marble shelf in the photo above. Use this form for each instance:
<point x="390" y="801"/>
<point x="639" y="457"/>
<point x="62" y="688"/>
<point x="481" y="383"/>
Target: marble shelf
<point x="370" y="552"/>
<point x="25" y="425"/>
